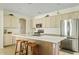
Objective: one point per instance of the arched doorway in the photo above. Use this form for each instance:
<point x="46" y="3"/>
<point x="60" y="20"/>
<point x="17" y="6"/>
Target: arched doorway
<point x="22" y="25"/>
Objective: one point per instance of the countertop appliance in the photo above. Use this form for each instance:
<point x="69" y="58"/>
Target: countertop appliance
<point x="70" y="29"/>
<point x="38" y="33"/>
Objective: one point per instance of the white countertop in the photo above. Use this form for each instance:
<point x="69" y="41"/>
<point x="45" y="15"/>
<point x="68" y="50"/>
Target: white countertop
<point x="52" y="39"/>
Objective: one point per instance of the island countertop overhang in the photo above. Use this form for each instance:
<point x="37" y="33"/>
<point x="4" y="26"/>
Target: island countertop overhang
<point x="52" y="39"/>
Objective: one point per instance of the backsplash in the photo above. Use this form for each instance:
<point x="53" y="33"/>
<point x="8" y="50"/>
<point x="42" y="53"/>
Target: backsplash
<point x="49" y="30"/>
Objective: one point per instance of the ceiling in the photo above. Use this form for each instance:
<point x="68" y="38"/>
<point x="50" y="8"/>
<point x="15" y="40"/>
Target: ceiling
<point x="34" y="9"/>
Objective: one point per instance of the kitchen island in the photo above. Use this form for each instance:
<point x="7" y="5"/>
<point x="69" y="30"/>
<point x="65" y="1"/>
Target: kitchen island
<point x="45" y="41"/>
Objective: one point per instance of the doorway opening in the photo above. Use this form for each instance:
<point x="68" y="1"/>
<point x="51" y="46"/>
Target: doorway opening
<point x="22" y="25"/>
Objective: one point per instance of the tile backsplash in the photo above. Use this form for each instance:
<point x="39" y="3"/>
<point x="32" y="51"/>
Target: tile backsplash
<point x="49" y="30"/>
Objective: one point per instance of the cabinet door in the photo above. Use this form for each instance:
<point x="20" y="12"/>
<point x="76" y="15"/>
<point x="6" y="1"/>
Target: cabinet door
<point x="7" y="21"/>
<point x="7" y="39"/>
<point x="35" y="21"/>
<point x="14" y="21"/>
<point x="74" y="15"/>
<point x="52" y="22"/>
<point x="39" y="21"/>
<point x="64" y="16"/>
<point x="57" y="21"/>
<point x="10" y="21"/>
<point x="42" y="21"/>
<point x="47" y="22"/>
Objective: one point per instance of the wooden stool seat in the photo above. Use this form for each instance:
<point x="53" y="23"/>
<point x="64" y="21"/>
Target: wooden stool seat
<point x="34" y="48"/>
<point x="21" y="47"/>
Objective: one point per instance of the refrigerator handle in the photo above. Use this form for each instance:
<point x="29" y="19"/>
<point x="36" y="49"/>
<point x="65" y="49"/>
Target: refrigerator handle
<point x="68" y="29"/>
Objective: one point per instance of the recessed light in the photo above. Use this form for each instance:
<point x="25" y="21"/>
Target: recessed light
<point x="47" y="15"/>
<point x="11" y="14"/>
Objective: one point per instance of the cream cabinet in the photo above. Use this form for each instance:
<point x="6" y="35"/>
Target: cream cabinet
<point x="57" y="21"/>
<point x="14" y="22"/>
<point x="73" y="15"/>
<point x="52" y="22"/>
<point x="76" y="14"/>
<point x="69" y="15"/>
<point x="35" y="21"/>
<point x="42" y="21"/>
<point x="45" y="21"/>
<point x="8" y="39"/>
<point x="7" y="21"/>
<point x="39" y="21"/>
<point x="10" y="21"/>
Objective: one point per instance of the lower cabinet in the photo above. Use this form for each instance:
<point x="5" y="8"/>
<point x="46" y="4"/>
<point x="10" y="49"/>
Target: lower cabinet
<point x="8" y="39"/>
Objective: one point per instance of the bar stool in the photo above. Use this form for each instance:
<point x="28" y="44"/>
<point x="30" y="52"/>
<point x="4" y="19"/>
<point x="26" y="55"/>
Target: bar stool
<point x="34" y="48"/>
<point x="21" y="47"/>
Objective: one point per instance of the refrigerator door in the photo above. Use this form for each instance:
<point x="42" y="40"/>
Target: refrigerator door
<point x="73" y="28"/>
<point x="65" y="28"/>
<point x="69" y="28"/>
<point x="70" y="44"/>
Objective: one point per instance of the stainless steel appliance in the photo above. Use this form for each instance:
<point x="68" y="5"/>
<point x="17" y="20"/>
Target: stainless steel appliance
<point x="70" y="29"/>
<point x="39" y="25"/>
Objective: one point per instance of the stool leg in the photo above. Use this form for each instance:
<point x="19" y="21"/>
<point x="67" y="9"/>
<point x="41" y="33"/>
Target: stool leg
<point x="20" y="53"/>
<point x="26" y="49"/>
<point x="23" y="47"/>
<point x="16" y="47"/>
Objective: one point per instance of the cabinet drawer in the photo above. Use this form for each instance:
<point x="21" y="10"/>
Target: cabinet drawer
<point x="7" y="39"/>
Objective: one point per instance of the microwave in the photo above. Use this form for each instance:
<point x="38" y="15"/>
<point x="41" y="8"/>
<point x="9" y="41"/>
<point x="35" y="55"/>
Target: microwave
<point x="38" y="25"/>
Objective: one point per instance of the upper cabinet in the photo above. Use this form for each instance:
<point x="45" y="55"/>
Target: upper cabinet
<point x="7" y="21"/>
<point x="69" y="15"/>
<point x="39" y="21"/>
<point x="10" y="21"/>
<point x="14" y="22"/>
<point x="45" y="21"/>
<point x="57" y="21"/>
<point x="54" y="21"/>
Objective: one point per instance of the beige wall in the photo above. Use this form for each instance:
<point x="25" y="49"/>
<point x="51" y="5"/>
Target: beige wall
<point x="1" y="29"/>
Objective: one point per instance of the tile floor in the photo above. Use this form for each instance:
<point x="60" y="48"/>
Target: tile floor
<point x="11" y="49"/>
<point x="7" y="50"/>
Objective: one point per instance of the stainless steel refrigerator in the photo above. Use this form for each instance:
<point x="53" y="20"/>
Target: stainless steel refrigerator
<point x="70" y="29"/>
